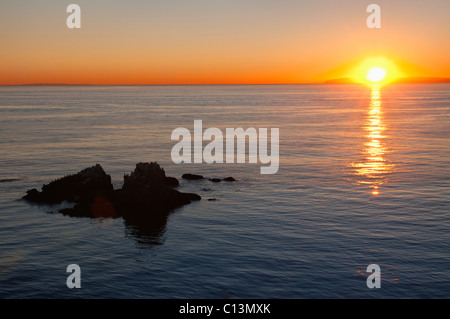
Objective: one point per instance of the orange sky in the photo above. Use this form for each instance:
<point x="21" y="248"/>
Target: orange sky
<point x="217" y="42"/>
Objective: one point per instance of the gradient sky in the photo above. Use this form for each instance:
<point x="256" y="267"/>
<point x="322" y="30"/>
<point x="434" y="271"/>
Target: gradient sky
<point x="212" y="41"/>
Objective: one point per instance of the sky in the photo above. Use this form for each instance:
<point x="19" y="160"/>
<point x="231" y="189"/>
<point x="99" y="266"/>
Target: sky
<point x="217" y="42"/>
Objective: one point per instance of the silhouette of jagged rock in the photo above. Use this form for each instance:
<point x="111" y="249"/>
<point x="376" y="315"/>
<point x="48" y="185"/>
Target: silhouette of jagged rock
<point x="88" y="182"/>
<point x="145" y="188"/>
<point x="145" y="191"/>
<point x="145" y="184"/>
<point x="229" y="179"/>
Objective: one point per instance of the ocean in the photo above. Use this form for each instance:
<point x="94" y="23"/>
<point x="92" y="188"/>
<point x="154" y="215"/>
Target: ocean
<point x="363" y="179"/>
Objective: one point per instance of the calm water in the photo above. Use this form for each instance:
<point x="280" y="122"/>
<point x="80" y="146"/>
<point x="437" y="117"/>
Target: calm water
<point x="364" y="178"/>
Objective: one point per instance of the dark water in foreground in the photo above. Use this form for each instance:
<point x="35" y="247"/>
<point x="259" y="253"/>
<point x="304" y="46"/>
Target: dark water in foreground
<point x="364" y="178"/>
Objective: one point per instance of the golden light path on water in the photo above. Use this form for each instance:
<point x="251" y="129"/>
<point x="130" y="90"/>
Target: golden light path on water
<point x="374" y="168"/>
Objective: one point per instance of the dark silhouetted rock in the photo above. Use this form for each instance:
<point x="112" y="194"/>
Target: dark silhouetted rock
<point x="229" y="179"/>
<point x="145" y="189"/>
<point x="145" y="192"/>
<point x="192" y="176"/>
<point x="212" y="199"/>
<point x="146" y="184"/>
<point x="215" y="180"/>
<point x="172" y="182"/>
<point x="86" y="183"/>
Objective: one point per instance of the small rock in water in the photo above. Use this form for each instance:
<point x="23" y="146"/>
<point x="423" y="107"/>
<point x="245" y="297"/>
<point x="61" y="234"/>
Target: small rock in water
<point x="192" y="176"/>
<point x="229" y="179"/>
<point x="215" y="180"/>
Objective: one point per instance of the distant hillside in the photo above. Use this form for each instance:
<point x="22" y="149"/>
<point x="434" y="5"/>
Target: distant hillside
<point x="423" y="79"/>
<point x="52" y="84"/>
<point x="417" y="79"/>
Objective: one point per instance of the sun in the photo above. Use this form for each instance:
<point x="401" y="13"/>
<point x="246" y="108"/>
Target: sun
<point x="376" y="74"/>
<point x="377" y="70"/>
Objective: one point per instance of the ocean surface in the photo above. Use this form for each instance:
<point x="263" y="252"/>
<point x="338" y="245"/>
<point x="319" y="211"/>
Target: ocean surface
<point x="364" y="179"/>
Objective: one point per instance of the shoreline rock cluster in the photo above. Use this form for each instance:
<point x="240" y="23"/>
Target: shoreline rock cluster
<point x="145" y="192"/>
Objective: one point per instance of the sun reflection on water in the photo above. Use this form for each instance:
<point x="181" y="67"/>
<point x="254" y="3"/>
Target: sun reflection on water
<point x="373" y="170"/>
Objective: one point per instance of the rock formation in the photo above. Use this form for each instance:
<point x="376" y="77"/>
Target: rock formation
<point x="146" y="191"/>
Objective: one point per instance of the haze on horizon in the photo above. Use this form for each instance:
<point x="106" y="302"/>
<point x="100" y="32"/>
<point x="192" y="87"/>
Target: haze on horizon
<point x="217" y="42"/>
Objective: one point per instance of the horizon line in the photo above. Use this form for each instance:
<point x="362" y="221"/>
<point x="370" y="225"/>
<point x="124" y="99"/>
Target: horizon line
<point x="405" y="80"/>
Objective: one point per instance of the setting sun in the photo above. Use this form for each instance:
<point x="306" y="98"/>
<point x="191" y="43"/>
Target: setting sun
<point x="379" y="70"/>
<point x="376" y="74"/>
